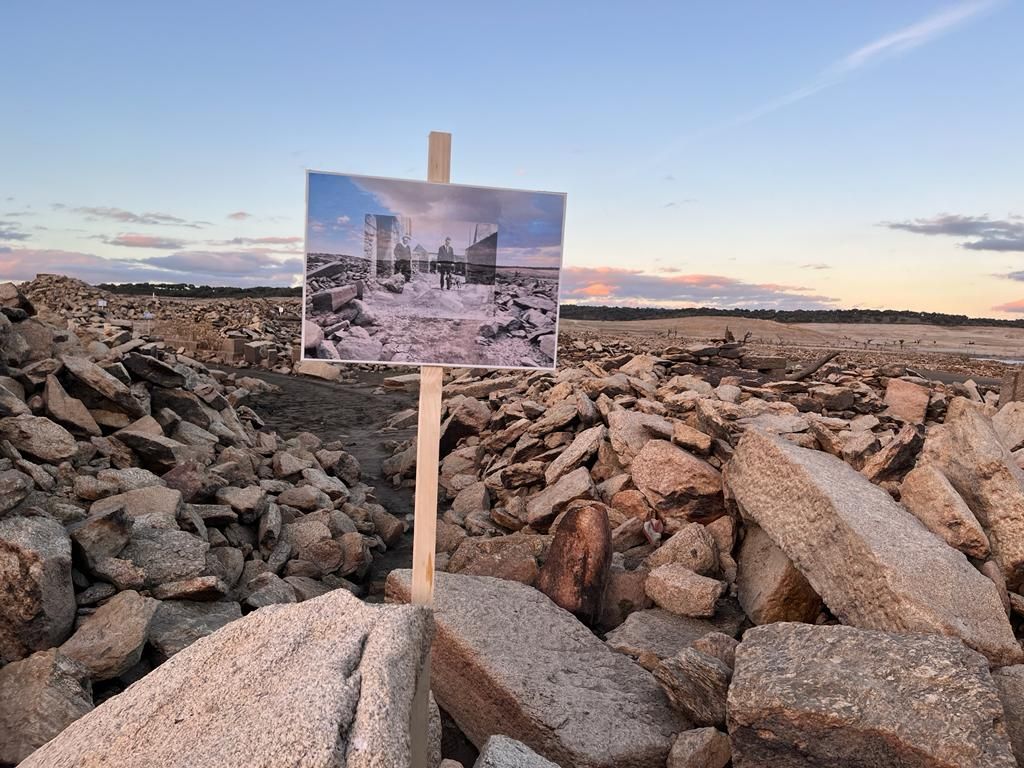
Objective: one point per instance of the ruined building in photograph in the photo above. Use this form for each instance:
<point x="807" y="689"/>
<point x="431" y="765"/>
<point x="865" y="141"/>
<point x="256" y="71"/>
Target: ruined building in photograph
<point x="482" y="255"/>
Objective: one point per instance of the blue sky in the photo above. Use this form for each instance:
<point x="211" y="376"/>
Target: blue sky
<point x="742" y="154"/>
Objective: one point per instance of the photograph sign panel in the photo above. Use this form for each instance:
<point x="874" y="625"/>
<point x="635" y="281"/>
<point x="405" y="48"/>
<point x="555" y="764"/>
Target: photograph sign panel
<point x="417" y="273"/>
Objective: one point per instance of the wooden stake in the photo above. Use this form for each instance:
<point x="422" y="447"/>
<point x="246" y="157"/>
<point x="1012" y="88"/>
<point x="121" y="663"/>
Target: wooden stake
<point x="439" y="157"/>
<point x="428" y="443"/>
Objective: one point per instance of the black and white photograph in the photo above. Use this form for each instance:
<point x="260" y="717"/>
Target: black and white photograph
<point x="420" y="273"/>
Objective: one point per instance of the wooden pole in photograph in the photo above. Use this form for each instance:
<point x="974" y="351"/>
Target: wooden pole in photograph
<point x="428" y="444"/>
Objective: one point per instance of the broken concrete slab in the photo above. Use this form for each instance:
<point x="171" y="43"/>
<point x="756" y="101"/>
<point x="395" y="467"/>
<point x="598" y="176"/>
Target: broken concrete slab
<point x="507" y="660"/>
<point x="837" y="696"/>
<point x="331" y="679"/>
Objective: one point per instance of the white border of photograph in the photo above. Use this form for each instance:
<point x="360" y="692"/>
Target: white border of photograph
<point x="420" y="364"/>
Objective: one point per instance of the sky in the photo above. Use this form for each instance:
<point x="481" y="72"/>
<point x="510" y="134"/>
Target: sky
<point x="529" y="224"/>
<point x="791" y="154"/>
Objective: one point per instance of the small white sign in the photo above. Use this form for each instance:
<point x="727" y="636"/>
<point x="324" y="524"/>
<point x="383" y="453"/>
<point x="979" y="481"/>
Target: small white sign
<point x="147" y="315"/>
<point x="101" y="302"/>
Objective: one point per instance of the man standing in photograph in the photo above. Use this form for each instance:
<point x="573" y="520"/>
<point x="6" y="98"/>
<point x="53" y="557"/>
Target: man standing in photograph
<point x="403" y="258"/>
<point x="446" y="263"/>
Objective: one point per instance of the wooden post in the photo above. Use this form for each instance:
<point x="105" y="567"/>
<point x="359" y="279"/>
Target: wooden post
<point x="428" y="442"/>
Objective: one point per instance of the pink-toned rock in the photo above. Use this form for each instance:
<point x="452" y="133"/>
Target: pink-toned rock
<point x="836" y="696"/>
<point x="507" y="660"/>
<point x="692" y="547"/>
<point x="968" y="451"/>
<point x="700" y="748"/>
<point x="542" y="509"/>
<point x="575" y="572"/>
<point x="39" y="697"/>
<point x="872" y="562"/>
<point x="907" y="401"/>
<point x="933" y="500"/>
<point x="769" y="586"/>
<point x="676" y="588"/>
<point x="680" y="487"/>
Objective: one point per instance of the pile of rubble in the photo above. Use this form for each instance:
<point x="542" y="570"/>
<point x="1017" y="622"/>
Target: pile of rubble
<point x="720" y="531"/>
<point x="579" y="341"/>
<point x="241" y="332"/>
<point x="687" y="557"/>
<point x="142" y="507"/>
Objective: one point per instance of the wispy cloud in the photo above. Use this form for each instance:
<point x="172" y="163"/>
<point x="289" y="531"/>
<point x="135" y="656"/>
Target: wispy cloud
<point x="241" y="268"/>
<point x="611" y="285"/>
<point x="987" y="234"/>
<point x="144" y="241"/>
<point x="816" y="266"/>
<point x="97" y="213"/>
<point x="239" y="215"/>
<point x="291" y="240"/>
<point x="886" y="47"/>
<point x="9" y="233"/>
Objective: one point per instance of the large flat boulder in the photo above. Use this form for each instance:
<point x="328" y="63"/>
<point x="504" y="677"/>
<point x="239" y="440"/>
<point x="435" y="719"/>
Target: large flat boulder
<point x="327" y="682"/>
<point x="870" y="560"/>
<point x="37" y="599"/>
<point x="968" y="451"/>
<point x="834" y="697"/>
<point x="507" y="660"/>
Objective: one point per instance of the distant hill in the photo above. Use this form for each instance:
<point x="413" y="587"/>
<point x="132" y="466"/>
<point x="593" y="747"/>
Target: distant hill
<point x="888" y="316"/>
<point x="189" y="291"/>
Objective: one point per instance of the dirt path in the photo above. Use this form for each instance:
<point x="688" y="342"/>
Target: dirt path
<point x="353" y="414"/>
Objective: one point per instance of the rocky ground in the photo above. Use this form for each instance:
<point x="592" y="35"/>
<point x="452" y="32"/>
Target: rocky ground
<point x="662" y="554"/>
<point x="352" y="316"/>
<point x="258" y="332"/>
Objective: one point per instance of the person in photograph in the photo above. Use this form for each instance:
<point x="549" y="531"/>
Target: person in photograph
<point x="446" y="263"/>
<point x="403" y="258"/>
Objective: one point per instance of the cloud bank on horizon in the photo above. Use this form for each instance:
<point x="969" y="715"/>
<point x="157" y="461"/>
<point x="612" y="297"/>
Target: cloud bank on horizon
<point x="221" y="268"/>
<point x="631" y="287"/>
